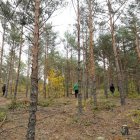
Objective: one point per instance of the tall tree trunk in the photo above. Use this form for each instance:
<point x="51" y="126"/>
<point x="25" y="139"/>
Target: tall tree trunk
<point x="11" y="73"/>
<point x="2" y="50"/>
<point x="19" y="63"/>
<point x="67" y="73"/>
<point x="137" y="80"/>
<point x="87" y="66"/>
<point x="79" y="65"/>
<point x="71" y="71"/>
<point x="9" y="70"/>
<point x="137" y="48"/>
<point x="125" y="72"/>
<point x="45" y="70"/>
<point x="105" y="78"/>
<point x="34" y="76"/>
<point x="92" y="59"/>
<point x="28" y="73"/>
<point x="109" y="72"/>
<point x="84" y="68"/>
<point x="119" y="75"/>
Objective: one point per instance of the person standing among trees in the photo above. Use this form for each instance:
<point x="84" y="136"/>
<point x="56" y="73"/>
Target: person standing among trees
<point x="4" y="89"/>
<point x="75" y="88"/>
<point x="112" y="89"/>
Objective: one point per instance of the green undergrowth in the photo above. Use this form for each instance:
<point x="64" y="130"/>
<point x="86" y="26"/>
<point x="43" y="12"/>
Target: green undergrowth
<point x="53" y="102"/>
<point x="75" y="120"/>
<point x="134" y="95"/>
<point x="102" y="95"/>
<point x="61" y="102"/>
<point x="116" y="94"/>
<point x="135" y="116"/>
<point x="87" y="122"/>
<point x="45" y="103"/>
<point x="105" y="105"/>
<point x="3" y="114"/>
<point x="80" y="121"/>
<point x="131" y="95"/>
<point x="15" y="104"/>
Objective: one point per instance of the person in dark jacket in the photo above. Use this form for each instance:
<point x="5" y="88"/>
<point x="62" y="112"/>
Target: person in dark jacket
<point x="4" y="89"/>
<point x="112" y="89"/>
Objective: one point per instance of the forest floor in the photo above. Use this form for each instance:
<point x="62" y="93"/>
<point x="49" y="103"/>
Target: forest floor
<point x="57" y="119"/>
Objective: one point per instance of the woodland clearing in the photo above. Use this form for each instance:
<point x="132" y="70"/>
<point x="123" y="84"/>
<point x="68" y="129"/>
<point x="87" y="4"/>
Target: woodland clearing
<point x="57" y="119"/>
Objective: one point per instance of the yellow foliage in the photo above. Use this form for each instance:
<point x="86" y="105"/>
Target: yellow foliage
<point x="55" y="81"/>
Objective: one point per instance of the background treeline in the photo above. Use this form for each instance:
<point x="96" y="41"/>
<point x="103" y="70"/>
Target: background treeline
<point x="104" y="48"/>
<point x="58" y="69"/>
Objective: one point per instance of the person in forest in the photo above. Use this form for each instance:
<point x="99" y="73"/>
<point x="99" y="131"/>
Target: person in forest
<point x="75" y="88"/>
<point x="3" y="89"/>
<point x="112" y="89"/>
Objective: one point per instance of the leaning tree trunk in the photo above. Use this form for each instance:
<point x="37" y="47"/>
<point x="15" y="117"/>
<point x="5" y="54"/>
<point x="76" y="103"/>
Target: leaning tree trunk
<point x="19" y="63"/>
<point x="119" y="75"/>
<point x="91" y="51"/>
<point x="79" y="67"/>
<point x="34" y="77"/>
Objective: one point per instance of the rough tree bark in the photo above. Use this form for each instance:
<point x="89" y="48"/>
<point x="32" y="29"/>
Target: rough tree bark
<point x="125" y="67"/>
<point x="45" y="70"/>
<point x="79" y="65"/>
<point x="105" y="78"/>
<point x="11" y="73"/>
<point x="84" y="66"/>
<point x="91" y="51"/>
<point x="28" y="73"/>
<point x="137" y="48"/>
<point x="19" y="63"/>
<point x="34" y="76"/>
<point x="67" y="71"/>
<point x="2" y="48"/>
<point x="119" y="75"/>
<point x="87" y="66"/>
<point x="9" y="70"/>
<point x="71" y="70"/>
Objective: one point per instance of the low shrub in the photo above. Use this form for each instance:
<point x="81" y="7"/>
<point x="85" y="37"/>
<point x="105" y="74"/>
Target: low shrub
<point x="2" y="114"/>
<point x="133" y="96"/>
<point x="104" y="105"/>
<point x="45" y="103"/>
<point x="18" y="104"/>
<point x="135" y="116"/>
